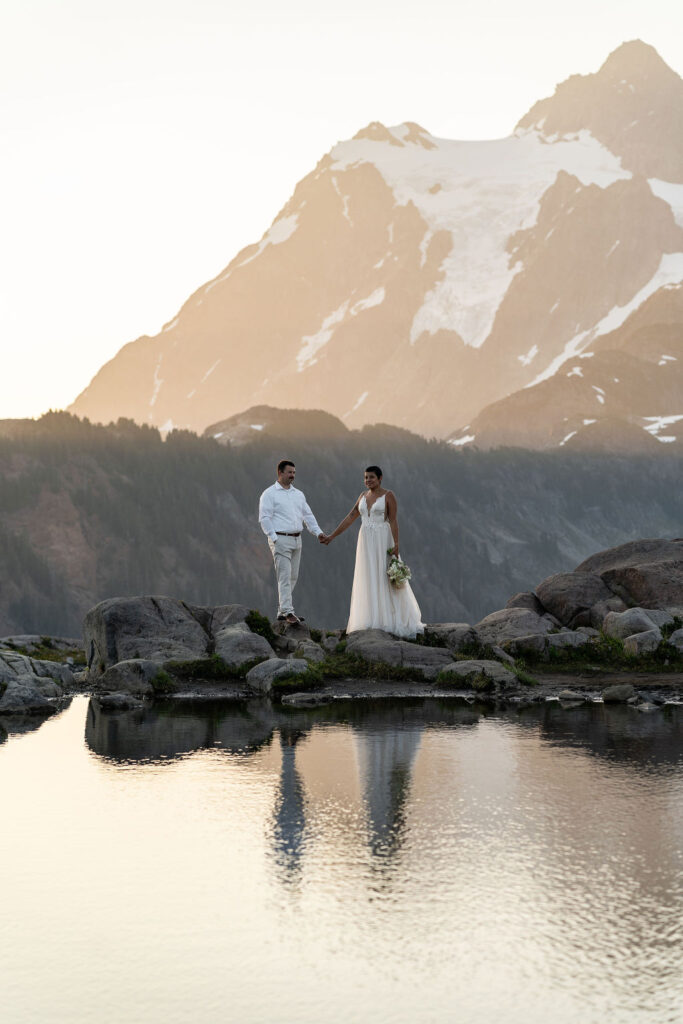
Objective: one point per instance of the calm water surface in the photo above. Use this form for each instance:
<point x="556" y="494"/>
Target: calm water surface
<point x="372" y="863"/>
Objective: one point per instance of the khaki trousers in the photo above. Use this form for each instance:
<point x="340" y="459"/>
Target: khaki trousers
<point x="286" y="553"/>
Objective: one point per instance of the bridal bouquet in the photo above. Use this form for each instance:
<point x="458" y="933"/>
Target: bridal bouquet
<point x="398" y="572"/>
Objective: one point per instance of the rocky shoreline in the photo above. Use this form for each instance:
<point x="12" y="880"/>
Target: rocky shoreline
<point x="611" y="631"/>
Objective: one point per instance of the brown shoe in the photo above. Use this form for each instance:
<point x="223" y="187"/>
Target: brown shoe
<point x="291" y="619"/>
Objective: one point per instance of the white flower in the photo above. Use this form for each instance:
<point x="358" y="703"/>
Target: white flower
<point x="398" y="572"/>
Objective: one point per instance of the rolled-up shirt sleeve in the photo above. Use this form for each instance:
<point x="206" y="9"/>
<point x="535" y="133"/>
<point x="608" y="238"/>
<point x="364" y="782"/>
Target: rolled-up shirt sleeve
<point x="265" y="515"/>
<point x="310" y="520"/>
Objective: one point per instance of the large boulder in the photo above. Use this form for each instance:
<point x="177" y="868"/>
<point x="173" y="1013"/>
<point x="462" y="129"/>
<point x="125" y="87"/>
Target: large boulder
<point x="32" y="643"/>
<point x="476" y="671"/>
<point x="135" y="676"/>
<point x="569" y="640"/>
<point x="453" y="635"/>
<point x="148" y="628"/>
<point x="534" y="645"/>
<point x="310" y="650"/>
<point x="509" y="623"/>
<point x="378" y="647"/>
<point x="15" y="665"/>
<point x="237" y="645"/>
<point x="570" y="596"/>
<point x="618" y="693"/>
<point x="224" y="615"/>
<point x="375" y="645"/>
<point x="25" y="695"/>
<point x="261" y="677"/>
<point x="619" y="625"/>
<point x="676" y="640"/>
<point x="601" y="610"/>
<point x="539" y="645"/>
<point x="643" y="643"/>
<point x="526" y="599"/>
<point x="30" y="685"/>
<point x="648" y="573"/>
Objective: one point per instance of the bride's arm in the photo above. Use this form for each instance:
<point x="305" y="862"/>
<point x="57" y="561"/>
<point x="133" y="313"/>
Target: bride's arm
<point x="392" y="518"/>
<point x="345" y="523"/>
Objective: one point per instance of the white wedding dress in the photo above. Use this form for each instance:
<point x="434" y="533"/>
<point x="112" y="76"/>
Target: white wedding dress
<point x="375" y="602"/>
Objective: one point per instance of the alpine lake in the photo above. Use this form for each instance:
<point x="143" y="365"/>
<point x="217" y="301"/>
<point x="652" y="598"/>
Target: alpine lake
<point x="364" y="861"/>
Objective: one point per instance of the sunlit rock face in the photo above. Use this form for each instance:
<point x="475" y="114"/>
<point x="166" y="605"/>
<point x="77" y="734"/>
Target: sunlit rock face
<point x="622" y="394"/>
<point x="415" y="280"/>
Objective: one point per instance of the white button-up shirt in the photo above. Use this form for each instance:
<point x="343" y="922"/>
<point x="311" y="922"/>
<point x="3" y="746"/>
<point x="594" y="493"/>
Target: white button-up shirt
<point x="285" y="510"/>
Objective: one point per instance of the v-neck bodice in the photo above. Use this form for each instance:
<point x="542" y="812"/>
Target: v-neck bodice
<point x="375" y="515"/>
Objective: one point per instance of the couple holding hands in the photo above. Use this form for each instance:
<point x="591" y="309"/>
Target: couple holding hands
<point x="375" y="602"/>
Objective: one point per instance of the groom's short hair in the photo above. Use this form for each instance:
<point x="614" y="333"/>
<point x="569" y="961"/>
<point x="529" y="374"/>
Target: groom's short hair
<point x="376" y="470"/>
<point x="283" y="463"/>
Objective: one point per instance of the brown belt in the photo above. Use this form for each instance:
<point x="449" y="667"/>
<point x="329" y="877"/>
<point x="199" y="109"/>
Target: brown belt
<point x="280" y="534"/>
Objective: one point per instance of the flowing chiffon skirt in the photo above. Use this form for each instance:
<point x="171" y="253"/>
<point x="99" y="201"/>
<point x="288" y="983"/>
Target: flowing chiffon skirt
<point x="375" y="602"/>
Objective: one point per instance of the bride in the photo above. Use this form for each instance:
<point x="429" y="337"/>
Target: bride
<point x="375" y="602"/>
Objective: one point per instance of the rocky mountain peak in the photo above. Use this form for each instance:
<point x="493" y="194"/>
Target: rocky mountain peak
<point x="633" y="105"/>
<point x="635" y="62"/>
<point x="378" y="132"/>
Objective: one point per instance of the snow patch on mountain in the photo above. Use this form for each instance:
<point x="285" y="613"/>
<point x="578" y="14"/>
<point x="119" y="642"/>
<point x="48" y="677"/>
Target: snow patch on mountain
<point x="344" y="199"/>
<point x="668" y="274"/>
<point x="359" y="402"/>
<point x="529" y="356"/>
<point x="277" y="233"/>
<point x="671" y="194"/>
<point x="482" y="193"/>
<point x="210" y="371"/>
<point x="312" y="343"/>
<point x="157" y="382"/>
<point x="654" y="424"/>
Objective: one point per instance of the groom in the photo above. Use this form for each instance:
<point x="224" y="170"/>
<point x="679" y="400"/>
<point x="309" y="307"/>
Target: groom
<point x="283" y="512"/>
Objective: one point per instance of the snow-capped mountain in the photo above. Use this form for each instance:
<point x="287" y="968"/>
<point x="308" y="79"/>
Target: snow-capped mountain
<point x="416" y="280"/>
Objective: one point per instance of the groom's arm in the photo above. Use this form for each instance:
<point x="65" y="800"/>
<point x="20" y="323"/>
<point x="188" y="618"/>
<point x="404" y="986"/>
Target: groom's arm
<point x="310" y="521"/>
<point x="265" y="516"/>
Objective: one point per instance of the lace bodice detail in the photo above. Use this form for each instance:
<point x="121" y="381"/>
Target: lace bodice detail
<point x="375" y="517"/>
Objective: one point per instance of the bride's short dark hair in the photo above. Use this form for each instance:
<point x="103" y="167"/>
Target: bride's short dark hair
<point x="376" y="470"/>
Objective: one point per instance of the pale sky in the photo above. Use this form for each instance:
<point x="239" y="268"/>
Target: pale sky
<point x="144" y="142"/>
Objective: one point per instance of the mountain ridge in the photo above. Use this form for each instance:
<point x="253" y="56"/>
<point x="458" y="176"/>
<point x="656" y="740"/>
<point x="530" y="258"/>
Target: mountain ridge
<point x="416" y="280"/>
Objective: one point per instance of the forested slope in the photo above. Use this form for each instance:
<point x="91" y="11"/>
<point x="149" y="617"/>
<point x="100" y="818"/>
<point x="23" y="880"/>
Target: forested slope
<point x="88" y="512"/>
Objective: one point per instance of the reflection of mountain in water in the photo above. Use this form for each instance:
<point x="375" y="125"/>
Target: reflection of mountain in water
<point x="385" y="761"/>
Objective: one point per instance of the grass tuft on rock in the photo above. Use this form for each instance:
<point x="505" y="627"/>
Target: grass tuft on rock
<point x="607" y="654"/>
<point x="46" y="651"/>
<point x="163" y="683"/>
<point x="211" y="669"/>
<point x="670" y="627"/>
<point x="523" y="676"/>
<point x="260" y="624"/>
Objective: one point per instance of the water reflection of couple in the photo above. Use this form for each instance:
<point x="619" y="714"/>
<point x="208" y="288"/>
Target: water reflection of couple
<point x="375" y="602"/>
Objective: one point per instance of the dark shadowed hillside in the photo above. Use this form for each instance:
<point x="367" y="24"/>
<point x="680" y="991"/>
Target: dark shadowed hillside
<point x="87" y="512"/>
